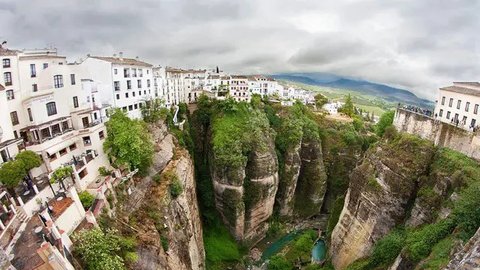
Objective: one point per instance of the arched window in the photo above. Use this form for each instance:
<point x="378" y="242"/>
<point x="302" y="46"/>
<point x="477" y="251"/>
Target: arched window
<point x="51" y="108"/>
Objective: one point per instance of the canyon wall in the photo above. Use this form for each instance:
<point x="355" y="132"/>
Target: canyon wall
<point x="380" y="189"/>
<point x="441" y="134"/>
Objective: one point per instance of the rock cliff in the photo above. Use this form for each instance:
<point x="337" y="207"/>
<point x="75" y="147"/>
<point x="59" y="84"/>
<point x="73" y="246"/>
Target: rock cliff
<point x="245" y="194"/>
<point x="468" y="257"/>
<point x="380" y="189"/>
<point x="167" y="226"/>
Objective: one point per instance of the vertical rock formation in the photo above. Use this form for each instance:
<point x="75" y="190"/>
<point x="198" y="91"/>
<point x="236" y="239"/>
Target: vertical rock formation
<point x="245" y="195"/>
<point x="171" y="232"/>
<point x="379" y="192"/>
<point x="312" y="181"/>
<point x="288" y="180"/>
<point x="468" y="257"/>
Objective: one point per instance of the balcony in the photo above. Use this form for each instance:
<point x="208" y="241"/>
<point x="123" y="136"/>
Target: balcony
<point x="39" y="134"/>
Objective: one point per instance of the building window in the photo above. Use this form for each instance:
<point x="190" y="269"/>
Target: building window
<point x="34" y="87"/>
<point x="134" y="72"/>
<point x="6" y="63"/>
<point x="475" y="109"/>
<point x="63" y="151"/>
<point x="440" y="113"/>
<point x="45" y="65"/>
<point x="140" y="72"/>
<point x="129" y="84"/>
<point x="101" y="135"/>
<point x="148" y="71"/>
<point x="30" y="116"/>
<point x="72" y="147"/>
<point x="148" y="82"/>
<point x="450" y="102"/>
<point x="126" y="95"/>
<point x="7" y="77"/>
<point x="124" y="109"/>
<point x="139" y="83"/>
<point x="52" y="157"/>
<point x="135" y="106"/>
<point x="14" y="118"/>
<point x="75" y="102"/>
<point x="130" y="107"/>
<point x="459" y="103"/>
<point x="126" y="72"/>
<point x="58" y="81"/>
<point x="467" y="105"/>
<point x="448" y="115"/>
<point x="139" y="93"/>
<point x="118" y="96"/>
<point x="87" y="141"/>
<point x="133" y="93"/>
<point x="72" y="79"/>
<point x="116" y="85"/>
<point x="51" y="108"/>
<point x="10" y="95"/>
<point x="33" y="71"/>
<point x="443" y="100"/>
<point x="472" y="123"/>
<point x="115" y="71"/>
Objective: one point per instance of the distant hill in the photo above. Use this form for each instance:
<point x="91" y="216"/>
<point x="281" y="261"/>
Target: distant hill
<point x="385" y="92"/>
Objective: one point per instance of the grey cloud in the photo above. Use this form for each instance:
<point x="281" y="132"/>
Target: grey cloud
<point x="420" y="45"/>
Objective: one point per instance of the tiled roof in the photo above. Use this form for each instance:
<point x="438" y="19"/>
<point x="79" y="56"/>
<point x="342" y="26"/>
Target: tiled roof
<point x="123" y="61"/>
<point x="462" y="90"/>
<point x="476" y="84"/>
<point x="33" y="57"/>
<point x="7" y="52"/>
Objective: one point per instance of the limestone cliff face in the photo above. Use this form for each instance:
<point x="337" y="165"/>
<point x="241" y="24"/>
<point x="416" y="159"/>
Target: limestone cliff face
<point x="168" y="230"/>
<point x="171" y="234"/>
<point x="288" y="180"/>
<point x="468" y="257"/>
<point x="245" y="195"/>
<point x="312" y="181"/>
<point x="379" y="191"/>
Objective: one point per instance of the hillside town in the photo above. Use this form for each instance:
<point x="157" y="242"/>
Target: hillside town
<point x="56" y="110"/>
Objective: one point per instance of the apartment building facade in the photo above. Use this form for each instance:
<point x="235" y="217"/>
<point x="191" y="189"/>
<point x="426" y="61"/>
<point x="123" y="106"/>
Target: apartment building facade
<point x="124" y="83"/>
<point x="459" y="105"/>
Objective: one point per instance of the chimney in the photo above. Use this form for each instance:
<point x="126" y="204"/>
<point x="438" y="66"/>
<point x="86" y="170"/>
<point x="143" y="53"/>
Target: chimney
<point x="114" y="55"/>
<point x="120" y="55"/>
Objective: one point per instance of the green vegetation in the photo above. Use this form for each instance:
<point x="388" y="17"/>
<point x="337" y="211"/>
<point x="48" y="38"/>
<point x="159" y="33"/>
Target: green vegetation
<point x="154" y="110"/>
<point x="107" y="250"/>
<point x="61" y="174"/>
<point x="128" y="142"/>
<point x="302" y="248"/>
<point x="440" y="255"/>
<point x="14" y="171"/>
<point x="320" y="100"/>
<point x="278" y="262"/>
<point x="385" y="121"/>
<point x="104" y="171"/>
<point x="335" y="214"/>
<point x="86" y="198"/>
<point x="220" y="247"/>
<point x="176" y="188"/>
<point x="348" y="107"/>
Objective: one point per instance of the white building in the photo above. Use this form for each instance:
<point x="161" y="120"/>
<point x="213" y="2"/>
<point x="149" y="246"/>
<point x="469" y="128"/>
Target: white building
<point x="238" y="88"/>
<point x="50" y="107"/>
<point x="262" y="85"/>
<point x="332" y="108"/>
<point x="124" y="83"/>
<point x="459" y="104"/>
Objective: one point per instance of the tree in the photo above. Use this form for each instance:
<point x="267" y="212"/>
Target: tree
<point x="385" y="121"/>
<point x="60" y="174"/>
<point x="348" y="107"/>
<point x="11" y="173"/>
<point x="128" y="142"/>
<point x="154" y="110"/>
<point x="30" y="160"/>
<point x="320" y="100"/>
<point x="279" y="263"/>
<point x="102" y="250"/>
<point x="86" y="198"/>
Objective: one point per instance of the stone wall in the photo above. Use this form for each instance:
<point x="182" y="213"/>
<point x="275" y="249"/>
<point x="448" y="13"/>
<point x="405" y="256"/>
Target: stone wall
<point x="441" y="134"/>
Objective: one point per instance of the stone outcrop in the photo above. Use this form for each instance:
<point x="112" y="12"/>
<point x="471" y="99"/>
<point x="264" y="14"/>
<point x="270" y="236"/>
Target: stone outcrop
<point x="380" y="189"/>
<point x="288" y="180"/>
<point x="171" y="230"/>
<point x="312" y="181"/>
<point x="442" y="134"/>
<point x="469" y="257"/>
<point x="245" y="195"/>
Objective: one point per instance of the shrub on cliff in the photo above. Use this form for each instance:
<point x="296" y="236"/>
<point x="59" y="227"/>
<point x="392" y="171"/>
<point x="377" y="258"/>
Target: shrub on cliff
<point x="128" y="142"/>
<point x="278" y="262"/>
<point x="386" y="120"/>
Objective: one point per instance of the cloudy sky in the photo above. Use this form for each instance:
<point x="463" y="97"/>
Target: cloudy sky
<point x="418" y="44"/>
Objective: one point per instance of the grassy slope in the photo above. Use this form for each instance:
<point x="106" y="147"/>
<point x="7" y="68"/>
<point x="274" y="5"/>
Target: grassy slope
<point x="366" y="102"/>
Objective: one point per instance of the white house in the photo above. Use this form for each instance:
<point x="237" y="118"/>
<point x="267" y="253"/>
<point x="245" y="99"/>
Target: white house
<point x="459" y="104"/>
<point x="124" y="83"/>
